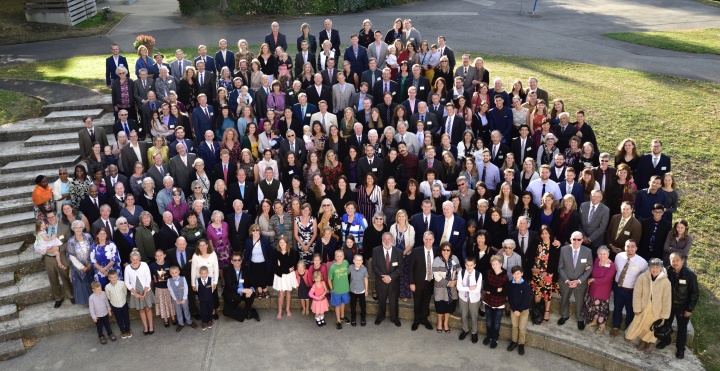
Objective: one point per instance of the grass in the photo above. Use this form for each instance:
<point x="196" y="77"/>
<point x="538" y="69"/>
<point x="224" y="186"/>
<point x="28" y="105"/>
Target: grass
<point x="703" y="41"/>
<point x="16" y="30"/>
<point x="16" y="106"/>
<point x="618" y="104"/>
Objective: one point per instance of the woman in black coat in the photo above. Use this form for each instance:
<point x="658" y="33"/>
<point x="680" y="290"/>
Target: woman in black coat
<point x="220" y="198"/>
<point x="261" y="273"/>
<point x="497" y="231"/>
<point x="118" y="86"/>
<point x="528" y="209"/>
<point x="566" y="220"/>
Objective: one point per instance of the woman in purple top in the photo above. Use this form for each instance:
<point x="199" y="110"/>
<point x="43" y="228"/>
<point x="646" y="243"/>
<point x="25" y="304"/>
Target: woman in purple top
<point x="276" y="99"/>
<point x="597" y="300"/>
<point x="218" y="234"/>
<point x="178" y="207"/>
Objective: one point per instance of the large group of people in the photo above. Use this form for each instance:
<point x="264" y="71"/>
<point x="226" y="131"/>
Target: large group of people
<point x="386" y="160"/>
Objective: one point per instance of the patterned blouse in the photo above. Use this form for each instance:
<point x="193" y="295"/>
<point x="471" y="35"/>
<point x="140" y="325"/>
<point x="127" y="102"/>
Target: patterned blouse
<point x="78" y="191"/>
<point x="331" y="176"/>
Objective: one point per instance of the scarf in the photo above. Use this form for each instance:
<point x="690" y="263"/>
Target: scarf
<point x="41" y="195"/>
<point x="448" y="275"/>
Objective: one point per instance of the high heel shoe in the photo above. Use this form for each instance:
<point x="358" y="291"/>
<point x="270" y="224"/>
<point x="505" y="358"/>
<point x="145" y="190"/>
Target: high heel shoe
<point x="548" y="316"/>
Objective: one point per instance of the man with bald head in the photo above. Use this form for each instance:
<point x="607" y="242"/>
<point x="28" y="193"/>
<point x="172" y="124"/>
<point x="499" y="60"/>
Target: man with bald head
<point x="181" y="166"/>
<point x="209" y="150"/>
<point x="319" y="92"/>
<point x="169" y="232"/>
<point x="180" y="255"/>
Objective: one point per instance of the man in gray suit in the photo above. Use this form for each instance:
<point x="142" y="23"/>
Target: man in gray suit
<point x="372" y="75"/>
<point x="594" y="218"/>
<point x="143" y="85"/>
<point x="178" y="66"/>
<point x="158" y="171"/>
<point x="357" y="98"/>
<point x="466" y="71"/>
<point x="378" y="50"/>
<point x="90" y="135"/>
<point x="574" y="268"/>
<point x="181" y="166"/>
<point x="55" y="272"/>
<point x="341" y="94"/>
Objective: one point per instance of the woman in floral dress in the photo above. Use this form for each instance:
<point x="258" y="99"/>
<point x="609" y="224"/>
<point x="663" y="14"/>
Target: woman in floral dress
<point x="544" y="280"/>
<point x="218" y="234"/>
<point x="104" y="258"/>
<point x="79" y="185"/>
<point x="306" y="233"/>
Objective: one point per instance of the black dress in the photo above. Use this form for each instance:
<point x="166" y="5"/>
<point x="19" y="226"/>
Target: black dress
<point x="497" y="233"/>
<point x="340" y="201"/>
<point x="150" y="205"/>
<point x="372" y="239"/>
<point x="218" y="202"/>
<point x="412" y="207"/>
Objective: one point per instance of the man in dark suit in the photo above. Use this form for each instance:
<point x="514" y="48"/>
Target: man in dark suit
<point x="244" y="191"/>
<point x="238" y="290"/>
<point x="511" y="178"/>
<point x="261" y="97"/>
<point x="387" y="264"/>
<point x="574" y="268"/>
<point x="114" y="177"/>
<point x="146" y="111"/>
<point x="654" y="233"/>
<point x="154" y="70"/>
<point x="90" y="205"/>
<point x="304" y="110"/>
<point x="224" y="58"/>
<point x="605" y="174"/>
<point x="386" y="108"/>
<point x="446" y="51"/>
<point x="143" y="85"/>
<point x="198" y="208"/>
<point x="372" y="75"/>
<point x="451" y="229"/>
<point x="523" y="146"/>
<point x="594" y="217"/>
<point x="466" y="72"/>
<point x="104" y="222"/>
<point x="370" y="164"/>
<point x="557" y="170"/>
<point x="452" y="124"/>
<point x="500" y="118"/>
<point x="421" y="279"/>
<point x="116" y="200"/>
<point x="481" y="215"/>
<point x="181" y="256"/>
<point x="424" y="221"/>
<point x="180" y="138"/>
<point x="653" y="163"/>
<point x="430" y="162"/>
<point x="358" y="139"/>
<point x="526" y="242"/>
<point x="181" y="166"/>
<point x="203" y="117"/>
<point x="239" y="223"/>
<point x="293" y="144"/>
<point x="319" y="92"/>
<point x="224" y="169"/>
<point x="435" y="106"/>
<point x="112" y="63"/>
<point x="206" y="80"/>
<point x="89" y="135"/>
<point x="498" y="150"/>
<point x="363" y="115"/>
<point x="209" y="150"/>
<point x="621" y="228"/>
<point x="386" y="86"/>
<point x="330" y="34"/>
<point x="356" y="54"/>
<point x="329" y="74"/>
<point x="411" y="104"/>
<point x="275" y="38"/>
<point x="564" y="131"/>
<point x="158" y="171"/>
<point x="428" y="118"/>
<point x="570" y="186"/>
<point x="540" y="93"/>
<point x="302" y="57"/>
<point x="421" y="83"/>
<point x="208" y="60"/>
<point x="168" y="233"/>
<point x="124" y="124"/>
<point x="133" y="152"/>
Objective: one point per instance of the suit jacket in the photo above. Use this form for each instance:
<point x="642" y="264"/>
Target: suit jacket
<point x="577" y="190"/>
<point x="355" y="100"/>
<point x="185" y="271"/>
<point x="359" y="64"/>
<point x="201" y="122"/>
<point x="328" y="78"/>
<point x="352" y="141"/>
<point x="377" y="92"/>
<point x="167" y="238"/>
<point x="209" y="157"/>
<point x="314" y="98"/>
<point x="418" y="267"/>
<point x="132" y="125"/>
<point x="177" y="68"/>
<point x="110" y="68"/>
<point x="240" y="234"/>
<point x="568" y="272"/>
<point x="172" y="147"/>
<point x="379" y="57"/>
<point x="371" y="79"/>
<point x="645" y="169"/>
<point x="146" y="112"/>
<point x="250" y="201"/>
<point x="431" y="123"/>
<point x="460" y="71"/>
<point x="450" y="55"/>
<point x="299" y="62"/>
<point x="397" y="262"/>
<point x="458" y="127"/>
<point x="529" y="150"/>
<point x="99" y="224"/>
<point x="92" y="212"/>
<point x="141" y="91"/>
<point x="340" y="99"/>
<point x="457" y="237"/>
<point x="648" y="226"/>
<point x="120" y="179"/>
<point x="437" y="165"/>
<point x="334" y="38"/>
<point x="309" y="110"/>
<point x="330" y="119"/>
<point x="632" y="229"/>
<point x="217" y="172"/>
<point x="261" y="98"/>
<point x="411" y="108"/>
<point x="228" y="61"/>
<point x="209" y="64"/>
<point x="154" y="70"/>
<point x="300" y="152"/>
<point x="156" y="176"/>
<point x="499" y="158"/>
<point x="541" y="94"/>
<point x="281" y="41"/>
<point x="502" y="122"/>
<point x="181" y="172"/>
<point x="563" y="141"/>
<point x="423" y="88"/>
<point x="128" y="157"/>
<point x="595" y="228"/>
<point x="417" y="221"/>
<point x="528" y="256"/>
<point x="208" y="85"/>
<point x="364" y="167"/>
<point x="231" y="282"/>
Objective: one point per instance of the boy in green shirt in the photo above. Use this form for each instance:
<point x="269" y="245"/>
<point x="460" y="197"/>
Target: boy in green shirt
<point x="340" y="286"/>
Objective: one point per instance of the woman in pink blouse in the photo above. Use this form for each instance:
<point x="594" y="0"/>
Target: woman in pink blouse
<point x="218" y="234"/>
<point x="597" y="300"/>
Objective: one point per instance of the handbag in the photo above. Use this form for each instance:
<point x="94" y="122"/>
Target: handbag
<point x="537" y="312"/>
<point x="661" y="329"/>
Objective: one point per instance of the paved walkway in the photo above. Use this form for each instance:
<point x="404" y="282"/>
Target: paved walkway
<point x="51" y="92"/>
<point x="564" y="29"/>
<point x="296" y="343"/>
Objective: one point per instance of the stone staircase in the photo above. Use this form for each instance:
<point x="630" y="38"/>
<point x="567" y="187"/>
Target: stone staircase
<point x="30" y="148"/>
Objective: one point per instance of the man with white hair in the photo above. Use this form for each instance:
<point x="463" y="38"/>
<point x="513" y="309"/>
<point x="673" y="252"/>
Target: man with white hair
<point x="164" y="196"/>
<point x="164" y="84"/>
<point x="574" y="268"/>
<point x="451" y="228"/>
<point x="181" y="167"/>
<point x="275" y="38"/>
<point x="105" y="222"/>
<point x="533" y="88"/>
<point x="178" y="66"/>
<point x="564" y="131"/>
<point x="387" y="264"/>
<point x="358" y="138"/>
<point x="168" y="233"/>
<point x="498" y="89"/>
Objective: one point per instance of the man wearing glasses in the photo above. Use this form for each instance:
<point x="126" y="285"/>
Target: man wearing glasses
<point x="62" y="232"/>
<point x="112" y="63"/>
<point x="238" y="290"/>
<point x="574" y="268"/>
<point x="605" y="174"/>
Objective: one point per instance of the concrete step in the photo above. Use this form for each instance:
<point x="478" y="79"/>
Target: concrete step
<point x="11" y="220"/>
<point x="59" y="138"/>
<point x="41" y="163"/>
<point x="101" y="101"/>
<point x="16" y="151"/>
<point x="15" y="206"/>
<point x="75" y="114"/>
<point x="7" y="279"/>
<point x="27" y="177"/>
<point x="24" y="129"/>
<point x="10" y="249"/>
<point x="42" y="319"/>
<point x="25" y="262"/>
<point x="16" y="234"/>
<point x="11" y="349"/>
<point x="32" y="289"/>
<point x="8" y="312"/>
<point x="24" y="191"/>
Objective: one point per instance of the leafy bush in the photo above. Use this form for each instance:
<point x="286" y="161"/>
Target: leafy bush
<point x="287" y="7"/>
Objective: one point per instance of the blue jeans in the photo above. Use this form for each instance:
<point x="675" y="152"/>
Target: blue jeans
<point x="493" y="316"/>
<point x="623" y="299"/>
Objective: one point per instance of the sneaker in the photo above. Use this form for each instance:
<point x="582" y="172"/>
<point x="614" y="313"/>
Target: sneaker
<point x="204" y="326"/>
<point x="345" y="319"/>
<point x="129" y="334"/>
<point x="209" y="325"/>
<point x="102" y="340"/>
<point x="123" y="335"/>
<point x="338" y="326"/>
<point x="521" y="350"/>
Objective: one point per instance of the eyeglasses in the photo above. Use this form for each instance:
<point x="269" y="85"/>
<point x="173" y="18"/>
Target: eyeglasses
<point x="63" y="173"/>
<point x="291" y="136"/>
<point x="448" y="250"/>
<point x="123" y="223"/>
<point x="174" y="195"/>
<point x="604" y="160"/>
<point x="378" y="218"/>
<point x="325" y="205"/>
<point x="197" y="187"/>
<point x="577" y="239"/>
<point x="121" y="73"/>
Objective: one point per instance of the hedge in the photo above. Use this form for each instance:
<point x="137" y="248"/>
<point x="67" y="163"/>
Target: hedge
<point x="287" y="7"/>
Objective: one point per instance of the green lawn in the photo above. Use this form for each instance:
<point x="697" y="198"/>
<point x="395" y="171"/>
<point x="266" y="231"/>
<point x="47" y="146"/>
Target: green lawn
<point x="705" y="41"/>
<point x="16" y="106"/>
<point x="618" y="104"/>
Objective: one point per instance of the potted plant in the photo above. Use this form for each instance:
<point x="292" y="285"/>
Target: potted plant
<point x="146" y="40"/>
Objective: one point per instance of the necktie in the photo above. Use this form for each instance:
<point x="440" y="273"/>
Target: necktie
<point x="623" y="273"/>
<point x="449" y="125"/>
<point x="591" y="213"/>
<point x="386" y="87"/>
<point x="108" y="230"/>
<point x="387" y="261"/>
<point x="144" y="84"/>
<point x="444" y="237"/>
<point x="161" y="170"/>
<point x="92" y="135"/>
<point x="182" y="259"/>
<point x="465" y="73"/>
<point x="562" y="129"/>
<point x="427" y="224"/>
<point x="355" y="50"/>
<point x="212" y="149"/>
<point x="522" y="151"/>
<point x="323" y="120"/>
<point x="522" y="244"/>
<point x="482" y="176"/>
<point x="126" y="129"/>
<point x="602" y="180"/>
<point x="292" y="147"/>
<point x="95" y="201"/>
<point x="302" y="109"/>
<point x="242" y="191"/>
<point x="206" y="113"/>
<point x="620" y="228"/>
<point x="495" y="149"/>
<point x="655" y="161"/>
<point x="467" y="284"/>
<point x="152" y="106"/>
<point x="237" y="221"/>
<point x="575" y="254"/>
<point x="173" y="228"/>
<point x="240" y="285"/>
<point x="388" y="115"/>
<point x="225" y="172"/>
<point x="428" y="267"/>
<point x="422" y="118"/>
<point x="482" y="220"/>
<point x="430" y="164"/>
<point x="543" y="191"/>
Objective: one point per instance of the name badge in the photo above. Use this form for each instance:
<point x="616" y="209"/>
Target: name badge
<point x="583" y="260"/>
<point x="374" y="169"/>
<point x="61" y="237"/>
<point x="627" y="233"/>
<point x="527" y="149"/>
<point x="181" y="287"/>
<point x="607" y="265"/>
<point x="378" y="79"/>
<point x="663" y="168"/>
<point x="456" y="233"/>
<point x="172" y="126"/>
<point x="290" y="93"/>
<point x="208" y="286"/>
<point x="242" y="281"/>
<point x="394" y="264"/>
<point x="152" y="233"/>
<point x="393" y="93"/>
<point x="212" y="114"/>
<point x="682" y="282"/>
<point x="501" y="156"/>
<point x="197" y="233"/>
<point x="291" y="172"/>
<point x="634" y="268"/>
<point x="308" y="115"/>
<point x="139" y="182"/>
<point x="422" y="88"/>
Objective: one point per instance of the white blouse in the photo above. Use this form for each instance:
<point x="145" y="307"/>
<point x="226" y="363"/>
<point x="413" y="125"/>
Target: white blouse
<point x="142" y="274"/>
<point x="211" y="262"/>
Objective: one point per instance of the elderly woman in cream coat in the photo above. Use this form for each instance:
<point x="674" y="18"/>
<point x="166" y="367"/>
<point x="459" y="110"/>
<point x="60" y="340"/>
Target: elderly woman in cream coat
<point x="652" y="296"/>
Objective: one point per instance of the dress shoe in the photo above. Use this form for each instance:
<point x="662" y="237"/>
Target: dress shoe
<point x="397" y="322"/>
<point x="680" y="354"/>
<point x="59" y="303"/>
<point x="521" y="350"/>
<point x="581" y="325"/>
<point x="72" y="301"/>
<point x="474" y="338"/>
<point x="428" y="325"/>
<point x="512" y="346"/>
<point x="562" y="321"/>
<point x="614" y="332"/>
<point x="662" y="344"/>
<point x="192" y="325"/>
<point x="216" y="316"/>
<point x="486" y="341"/>
<point x="378" y="321"/>
<point x="362" y="322"/>
<point x="179" y="328"/>
<point x="414" y="326"/>
<point x="462" y="336"/>
<point x="493" y="344"/>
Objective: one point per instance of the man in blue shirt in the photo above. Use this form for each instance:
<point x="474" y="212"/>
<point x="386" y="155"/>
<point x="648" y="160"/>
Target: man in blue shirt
<point x="488" y="172"/>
